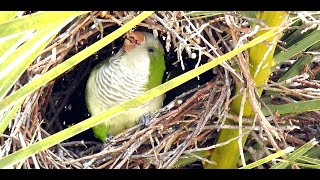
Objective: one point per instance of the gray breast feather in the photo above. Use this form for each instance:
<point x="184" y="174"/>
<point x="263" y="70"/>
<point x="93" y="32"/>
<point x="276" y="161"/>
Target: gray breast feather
<point x="117" y="83"/>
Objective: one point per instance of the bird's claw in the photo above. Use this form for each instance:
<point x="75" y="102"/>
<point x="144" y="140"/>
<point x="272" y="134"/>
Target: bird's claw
<point x="145" y="119"/>
<point x="106" y="142"/>
<point x="108" y="139"/>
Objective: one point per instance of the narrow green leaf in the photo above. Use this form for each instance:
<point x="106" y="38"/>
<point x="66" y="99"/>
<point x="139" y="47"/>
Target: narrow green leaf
<point x="34" y="21"/>
<point x="310" y="166"/>
<point x="294" y="107"/>
<point x="22" y="57"/>
<point x="294" y="36"/>
<point x="313" y="153"/>
<point x="296" y="68"/>
<point x="296" y="154"/>
<point x="10" y="44"/>
<point x="268" y="158"/>
<point x="7" y="117"/>
<point x="95" y="120"/>
<point x="15" y="59"/>
<point x="309" y="160"/>
<point x="298" y="47"/>
<point x="8" y="15"/>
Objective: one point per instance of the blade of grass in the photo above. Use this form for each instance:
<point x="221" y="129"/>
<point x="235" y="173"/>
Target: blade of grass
<point x="95" y="120"/>
<point x="8" y="15"/>
<point x="298" y="47"/>
<point x="309" y="160"/>
<point x="268" y="158"/>
<point x="296" y="68"/>
<point x="21" y="54"/>
<point x="21" y="58"/>
<point x="313" y="153"/>
<point x="293" y="36"/>
<point x="296" y="154"/>
<point x="9" y="44"/>
<point x="294" y="107"/>
<point x="311" y="166"/>
<point x="8" y="115"/>
<point x="39" y="20"/>
<point x="21" y="26"/>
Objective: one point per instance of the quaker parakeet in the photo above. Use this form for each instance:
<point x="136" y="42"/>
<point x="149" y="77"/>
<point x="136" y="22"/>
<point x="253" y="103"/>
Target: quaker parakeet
<point x="136" y="68"/>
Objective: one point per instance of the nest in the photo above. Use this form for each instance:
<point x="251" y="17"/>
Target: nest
<point x="190" y="120"/>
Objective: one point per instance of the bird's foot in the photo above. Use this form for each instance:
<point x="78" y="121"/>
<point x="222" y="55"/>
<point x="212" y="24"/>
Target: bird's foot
<point x="145" y="119"/>
<point x="108" y="139"/>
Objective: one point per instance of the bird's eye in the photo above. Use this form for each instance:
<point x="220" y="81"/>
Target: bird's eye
<point x="151" y="50"/>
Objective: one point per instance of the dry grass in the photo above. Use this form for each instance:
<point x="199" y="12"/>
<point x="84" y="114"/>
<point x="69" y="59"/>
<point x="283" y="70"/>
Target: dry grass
<point x="187" y="124"/>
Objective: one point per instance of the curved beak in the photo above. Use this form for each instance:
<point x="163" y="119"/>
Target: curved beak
<point x="133" y="39"/>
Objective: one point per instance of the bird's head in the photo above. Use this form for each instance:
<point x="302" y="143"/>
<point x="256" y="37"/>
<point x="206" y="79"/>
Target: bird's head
<point x="144" y="49"/>
<point x="136" y="40"/>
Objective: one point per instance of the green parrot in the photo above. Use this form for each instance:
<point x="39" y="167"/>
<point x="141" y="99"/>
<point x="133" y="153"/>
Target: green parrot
<point x="136" y="68"/>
